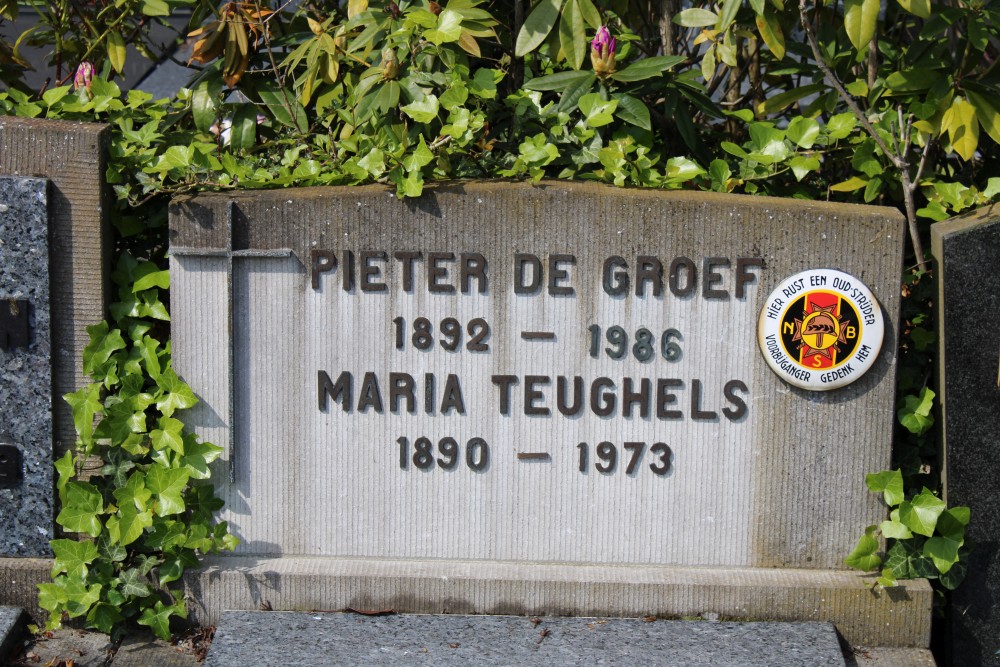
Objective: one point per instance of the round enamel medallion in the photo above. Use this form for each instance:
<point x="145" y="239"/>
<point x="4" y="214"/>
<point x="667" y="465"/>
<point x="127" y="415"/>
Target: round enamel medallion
<point x="820" y="329"/>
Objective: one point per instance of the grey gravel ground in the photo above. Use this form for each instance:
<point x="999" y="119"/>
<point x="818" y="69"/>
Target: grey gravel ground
<point x="299" y="638"/>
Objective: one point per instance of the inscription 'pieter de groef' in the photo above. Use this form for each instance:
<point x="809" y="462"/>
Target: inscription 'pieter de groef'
<point x="468" y="272"/>
<point x="557" y="275"/>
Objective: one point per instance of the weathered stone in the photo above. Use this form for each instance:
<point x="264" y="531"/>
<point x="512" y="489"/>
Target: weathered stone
<point x="13" y="625"/>
<point x="73" y="157"/>
<point x="281" y="299"/>
<point x="896" y="617"/>
<point x="967" y="250"/>
<point x="26" y="521"/>
<point x="778" y="483"/>
<point x="302" y="638"/>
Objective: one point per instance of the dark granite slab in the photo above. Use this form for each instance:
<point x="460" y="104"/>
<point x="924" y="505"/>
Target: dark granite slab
<point x="299" y="638"/>
<point x="968" y="253"/>
<point x="26" y="510"/>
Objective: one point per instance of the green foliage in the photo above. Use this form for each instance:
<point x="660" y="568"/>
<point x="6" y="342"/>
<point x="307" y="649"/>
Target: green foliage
<point x="146" y="518"/>
<point x="926" y="538"/>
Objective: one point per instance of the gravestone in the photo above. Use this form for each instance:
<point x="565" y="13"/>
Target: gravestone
<point x="515" y="398"/>
<point x="967" y="250"/>
<point x="53" y="277"/>
<point x="26" y="500"/>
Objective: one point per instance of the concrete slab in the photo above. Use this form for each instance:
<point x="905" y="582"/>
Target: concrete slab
<point x="307" y="638"/>
<point x="85" y="649"/>
<point x="19" y="579"/>
<point x="145" y="650"/>
<point x="12" y="627"/>
<point x="890" y="657"/>
<point x="897" y="617"/>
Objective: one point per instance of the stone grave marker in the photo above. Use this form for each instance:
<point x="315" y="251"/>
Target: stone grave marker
<point x="53" y="271"/>
<point x="515" y="398"/>
<point x="26" y="501"/>
<point x="967" y="250"/>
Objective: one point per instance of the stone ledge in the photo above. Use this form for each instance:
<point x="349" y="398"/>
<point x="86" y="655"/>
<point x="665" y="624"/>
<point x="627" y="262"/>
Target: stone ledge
<point x="18" y="584"/>
<point x="898" y="617"/>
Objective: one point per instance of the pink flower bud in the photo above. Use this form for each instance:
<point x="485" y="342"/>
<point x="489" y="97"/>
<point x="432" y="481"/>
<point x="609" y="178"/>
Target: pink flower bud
<point x="602" y="52"/>
<point x="84" y="76"/>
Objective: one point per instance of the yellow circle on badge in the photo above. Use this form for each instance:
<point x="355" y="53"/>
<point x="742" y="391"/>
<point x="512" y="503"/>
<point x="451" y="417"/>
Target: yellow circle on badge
<point x="820" y="329"/>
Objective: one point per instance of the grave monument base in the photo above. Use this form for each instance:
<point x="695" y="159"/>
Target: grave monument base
<point x="896" y="617"/>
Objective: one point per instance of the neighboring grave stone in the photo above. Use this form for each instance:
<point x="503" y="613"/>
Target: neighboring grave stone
<point x="26" y="493"/>
<point x="73" y="157"/>
<point x="533" y="374"/>
<point x="967" y="250"/>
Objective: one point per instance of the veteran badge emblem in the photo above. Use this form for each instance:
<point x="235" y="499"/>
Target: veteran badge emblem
<point x="820" y="329"/>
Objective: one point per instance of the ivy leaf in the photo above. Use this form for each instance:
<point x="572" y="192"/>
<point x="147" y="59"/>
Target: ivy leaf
<point x="202" y="502"/>
<point x="889" y="483"/>
<point x="887" y="578"/>
<point x="864" y="557"/>
<point x="148" y="276"/>
<point x="168" y="486"/>
<point x="158" y="618"/>
<point x="860" y="21"/>
<point x="921" y="513"/>
<point x="174" y="565"/>
<point x="127" y="526"/>
<point x="73" y="557"/>
<point x="166" y="535"/>
<point x="952" y="522"/>
<point x="104" y="342"/>
<point x="597" y="111"/>
<point x="80" y="597"/>
<point x="104" y="617"/>
<point x="52" y="597"/>
<point x="110" y="551"/>
<point x="802" y="166"/>
<point x="955" y="574"/>
<point x="449" y="28"/>
<point x="133" y="585"/>
<point x="915" y="413"/>
<point x="483" y="85"/>
<point x="537" y="26"/>
<point x="419" y="158"/>
<point x="942" y="551"/>
<point x="134" y="492"/>
<point x="82" y="503"/>
<point x="177" y="394"/>
<point x="803" y="131"/>
<point x="841" y="125"/>
<point x="424" y="109"/>
<point x="197" y="456"/>
<point x="169" y="435"/>
<point x="65" y="469"/>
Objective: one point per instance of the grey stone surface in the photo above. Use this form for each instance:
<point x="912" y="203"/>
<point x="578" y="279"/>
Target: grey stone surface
<point x="19" y="579"/>
<point x="862" y="656"/>
<point x="26" y="510"/>
<point x="12" y="627"/>
<point x="147" y="651"/>
<point x="297" y="638"/>
<point x="73" y="157"/>
<point x="251" y="335"/>
<point x="967" y="250"/>
<point x="85" y="649"/>
<point x="863" y="615"/>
